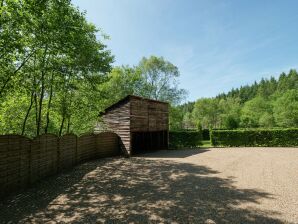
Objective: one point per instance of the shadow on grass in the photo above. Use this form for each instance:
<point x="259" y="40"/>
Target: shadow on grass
<point x="136" y="190"/>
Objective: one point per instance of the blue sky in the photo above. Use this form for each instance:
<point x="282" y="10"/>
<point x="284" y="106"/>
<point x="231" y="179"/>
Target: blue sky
<point x="216" y="44"/>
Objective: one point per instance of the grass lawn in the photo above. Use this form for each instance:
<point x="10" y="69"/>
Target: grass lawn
<point x="206" y="143"/>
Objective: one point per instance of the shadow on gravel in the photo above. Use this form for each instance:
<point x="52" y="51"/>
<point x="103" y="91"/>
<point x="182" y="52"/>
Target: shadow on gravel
<point x="135" y="190"/>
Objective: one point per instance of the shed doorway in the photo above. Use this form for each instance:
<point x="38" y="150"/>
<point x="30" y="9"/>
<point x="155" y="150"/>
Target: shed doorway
<point x="144" y="142"/>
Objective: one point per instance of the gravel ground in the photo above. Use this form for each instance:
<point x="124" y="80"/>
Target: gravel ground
<point x="226" y="185"/>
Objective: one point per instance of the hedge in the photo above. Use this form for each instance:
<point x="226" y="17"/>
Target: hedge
<point x="257" y="137"/>
<point x="185" y="139"/>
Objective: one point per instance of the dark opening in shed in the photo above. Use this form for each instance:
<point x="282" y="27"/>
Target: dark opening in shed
<point x="142" y="124"/>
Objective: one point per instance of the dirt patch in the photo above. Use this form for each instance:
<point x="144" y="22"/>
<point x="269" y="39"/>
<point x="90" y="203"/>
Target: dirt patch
<point x="251" y="185"/>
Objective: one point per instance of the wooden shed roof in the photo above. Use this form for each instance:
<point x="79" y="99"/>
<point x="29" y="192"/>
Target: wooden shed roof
<point x="127" y="98"/>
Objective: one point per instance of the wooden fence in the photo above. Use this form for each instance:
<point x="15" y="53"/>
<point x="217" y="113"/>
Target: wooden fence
<point x="24" y="161"/>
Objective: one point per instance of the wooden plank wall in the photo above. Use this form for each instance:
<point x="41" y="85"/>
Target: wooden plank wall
<point x="118" y="121"/>
<point x="24" y="161"/>
<point x="158" y="116"/>
<point x="148" y="115"/>
<point x="139" y="115"/>
<point x="135" y="114"/>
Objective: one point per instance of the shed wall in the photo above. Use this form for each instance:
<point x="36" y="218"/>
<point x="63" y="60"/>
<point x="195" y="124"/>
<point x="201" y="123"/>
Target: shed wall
<point x="118" y="121"/>
<point x="148" y="115"/>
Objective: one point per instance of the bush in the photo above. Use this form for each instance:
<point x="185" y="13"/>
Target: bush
<point x="185" y="139"/>
<point x="256" y="137"/>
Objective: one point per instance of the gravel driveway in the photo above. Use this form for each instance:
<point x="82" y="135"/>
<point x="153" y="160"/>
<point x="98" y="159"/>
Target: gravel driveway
<point x="234" y="185"/>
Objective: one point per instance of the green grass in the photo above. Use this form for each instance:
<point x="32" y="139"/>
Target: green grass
<point x="206" y="143"/>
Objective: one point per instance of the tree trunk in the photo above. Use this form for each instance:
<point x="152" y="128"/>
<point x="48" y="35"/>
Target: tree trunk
<point x="28" y="112"/>
<point x="36" y="111"/>
<point x="40" y="106"/>
<point x="14" y="73"/>
<point x="68" y="125"/>
<point x="49" y="106"/>
<point x="61" y="126"/>
<point x="41" y="91"/>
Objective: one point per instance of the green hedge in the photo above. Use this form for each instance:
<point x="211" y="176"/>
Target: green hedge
<point x="262" y="137"/>
<point x="185" y="139"/>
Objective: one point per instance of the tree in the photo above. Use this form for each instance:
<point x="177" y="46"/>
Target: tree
<point x="51" y="51"/>
<point x="175" y="118"/>
<point x="267" y="120"/>
<point x="160" y="80"/>
<point x="207" y="111"/>
<point x="230" y="122"/>
<point x="16" y="46"/>
<point x="229" y="110"/>
<point x="188" y="121"/>
<point x="120" y="82"/>
<point x="253" y="110"/>
<point x="247" y="106"/>
<point x="286" y="109"/>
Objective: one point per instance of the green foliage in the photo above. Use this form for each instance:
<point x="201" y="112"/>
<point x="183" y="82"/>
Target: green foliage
<point x="175" y="118"/>
<point x="230" y="123"/>
<point x="185" y="139"/>
<point x="286" y="109"/>
<point x="50" y="64"/>
<point x="56" y="75"/>
<point x="255" y="137"/>
<point x="253" y="110"/>
<point x="229" y="110"/>
<point x="199" y="126"/>
<point x="160" y="80"/>
<point x="271" y="103"/>
<point x="267" y="120"/>
<point x="207" y="112"/>
<point x="188" y="121"/>
<point x="153" y="78"/>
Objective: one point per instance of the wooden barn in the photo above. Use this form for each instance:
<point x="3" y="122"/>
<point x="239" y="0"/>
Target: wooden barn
<point x="142" y="124"/>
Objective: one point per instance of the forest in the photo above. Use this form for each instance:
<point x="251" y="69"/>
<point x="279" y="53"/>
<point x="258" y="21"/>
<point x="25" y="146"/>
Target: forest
<point x="270" y="103"/>
<point x="56" y="75"/>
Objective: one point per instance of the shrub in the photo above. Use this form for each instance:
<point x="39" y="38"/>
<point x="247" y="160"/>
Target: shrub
<point x="185" y="139"/>
<point x="256" y="137"/>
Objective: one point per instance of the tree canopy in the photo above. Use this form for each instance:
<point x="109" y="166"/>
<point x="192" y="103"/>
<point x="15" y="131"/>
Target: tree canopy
<point x="153" y="78"/>
<point x="56" y="75"/>
<point x="266" y="104"/>
<point x="50" y="57"/>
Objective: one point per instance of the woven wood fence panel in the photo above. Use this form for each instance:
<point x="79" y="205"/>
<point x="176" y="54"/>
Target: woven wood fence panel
<point x="86" y="146"/>
<point x="107" y="144"/>
<point x="14" y="163"/>
<point x="44" y="156"/>
<point x="24" y="161"/>
<point x="67" y="151"/>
